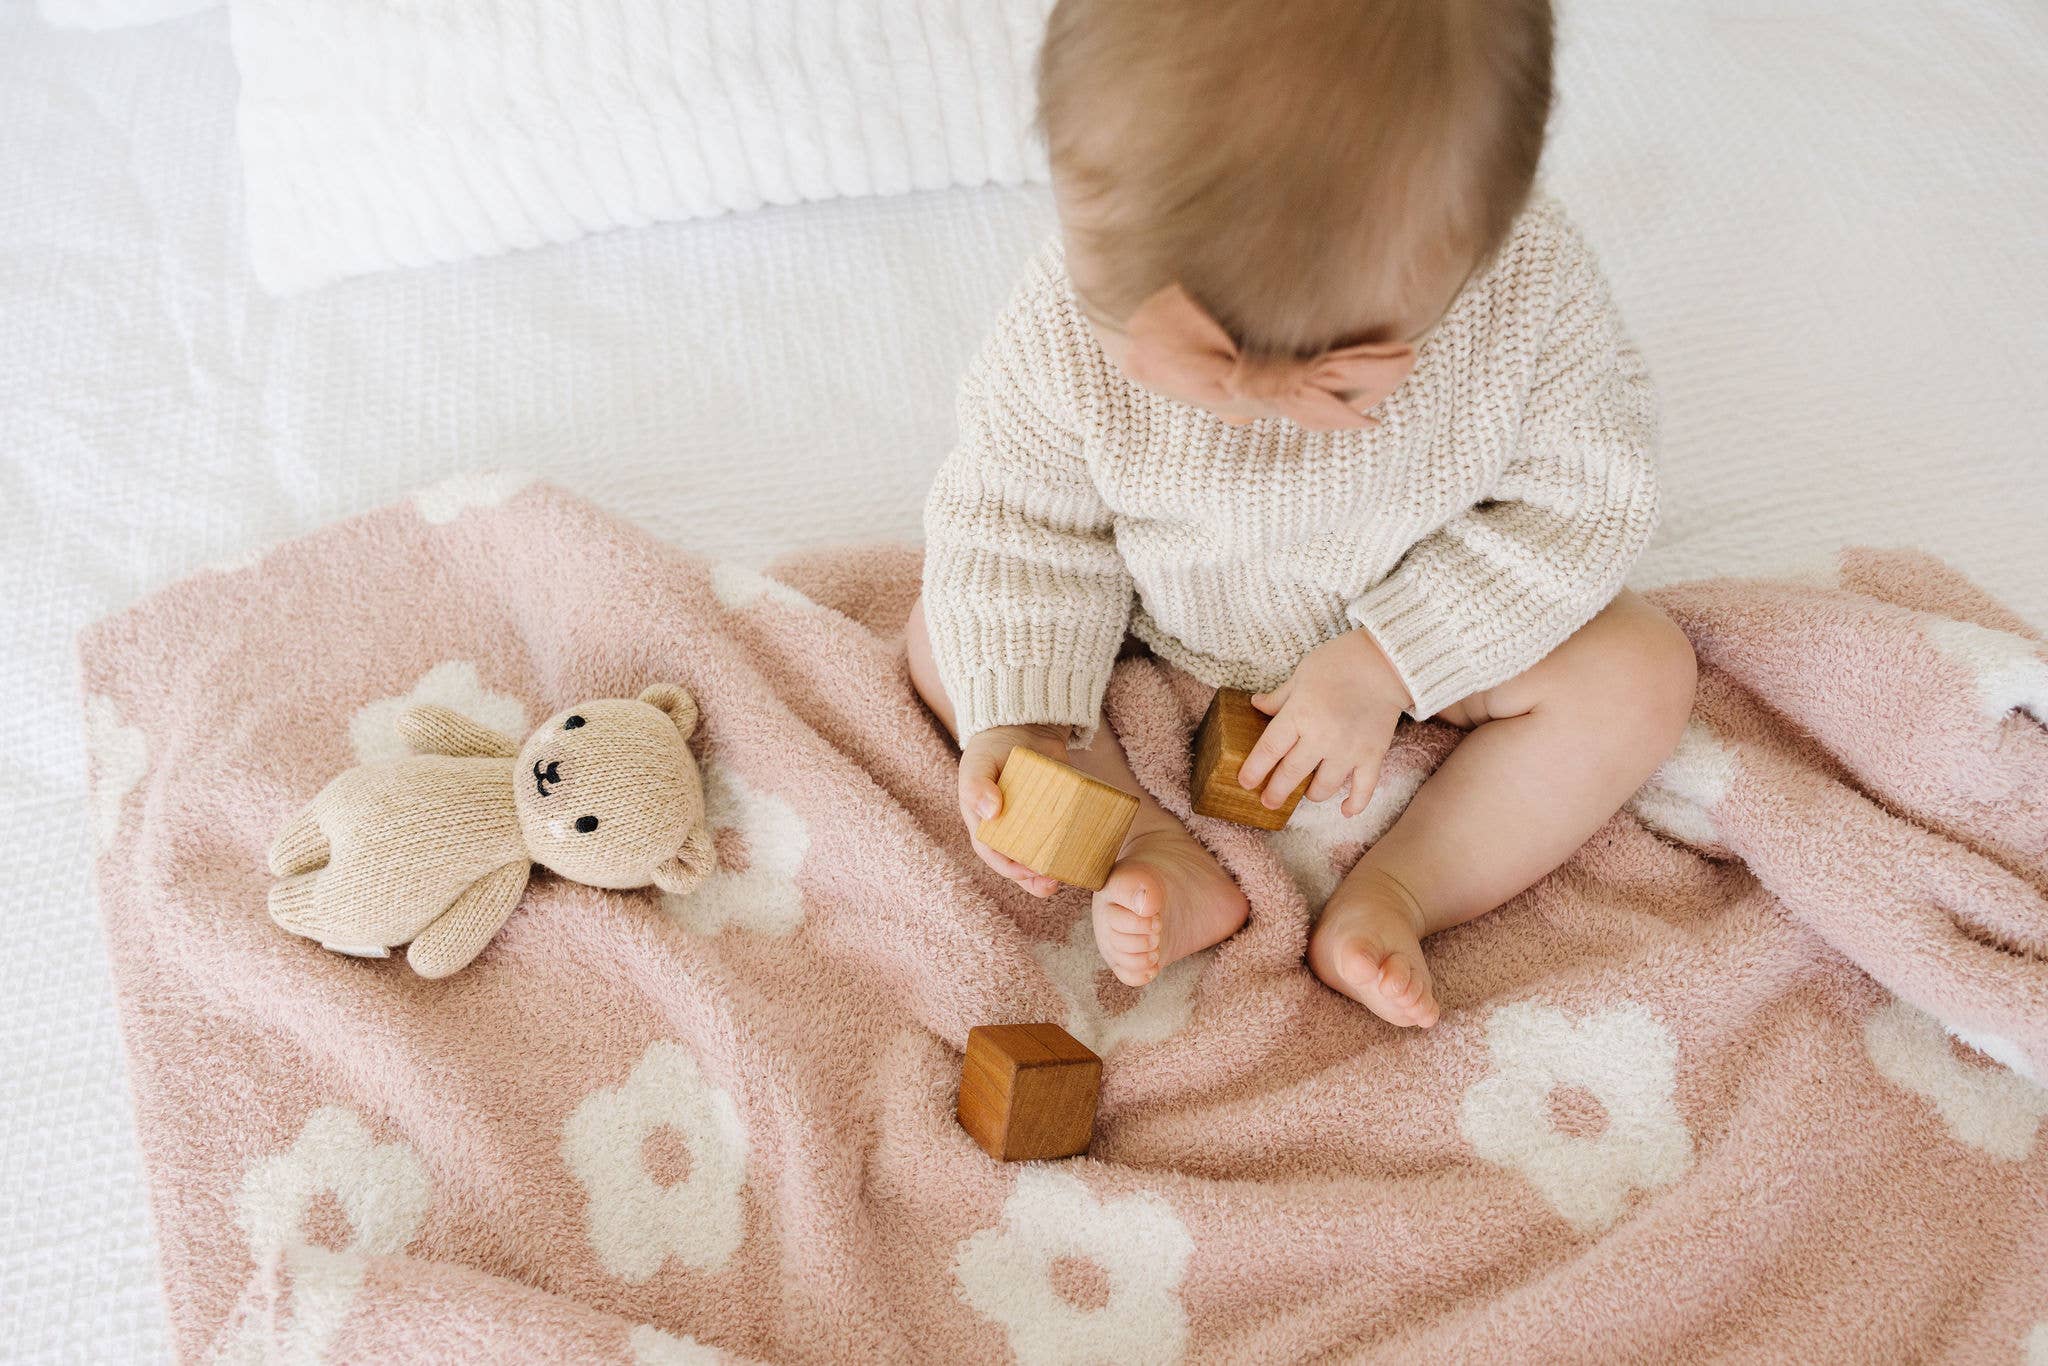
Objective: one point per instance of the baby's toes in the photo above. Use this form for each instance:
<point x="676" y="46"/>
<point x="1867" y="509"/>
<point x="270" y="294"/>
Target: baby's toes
<point x="1358" y="965"/>
<point x="1406" y="987"/>
<point x="1135" y="891"/>
<point x="1122" y="920"/>
<point x="1117" y="941"/>
<point x="1397" y="982"/>
<point x="1407" y="978"/>
<point x="1132" y="955"/>
<point x="1134" y="968"/>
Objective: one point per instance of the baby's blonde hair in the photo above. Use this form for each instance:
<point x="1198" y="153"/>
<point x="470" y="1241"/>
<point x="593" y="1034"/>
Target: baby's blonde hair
<point x="1302" y="167"/>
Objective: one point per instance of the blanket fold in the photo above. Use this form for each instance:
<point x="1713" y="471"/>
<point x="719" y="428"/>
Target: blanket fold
<point x="1746" y="1077"/>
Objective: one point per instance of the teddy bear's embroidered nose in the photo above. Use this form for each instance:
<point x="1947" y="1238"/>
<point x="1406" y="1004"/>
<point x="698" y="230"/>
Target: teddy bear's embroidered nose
<point x="543" y="776"/>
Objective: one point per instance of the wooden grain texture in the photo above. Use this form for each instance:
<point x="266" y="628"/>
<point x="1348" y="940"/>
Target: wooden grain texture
<point x="1057" y="820"/>
<point x="1230" y="728"/>
<point x="1027" y="1091"/>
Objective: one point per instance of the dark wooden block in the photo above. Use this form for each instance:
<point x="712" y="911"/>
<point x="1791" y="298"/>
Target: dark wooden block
<point x="1229" y="730"/>
<point x="1027" y="1091"/>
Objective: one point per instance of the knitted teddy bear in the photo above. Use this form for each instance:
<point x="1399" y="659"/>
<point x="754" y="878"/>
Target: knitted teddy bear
<point x="434" y="850"/>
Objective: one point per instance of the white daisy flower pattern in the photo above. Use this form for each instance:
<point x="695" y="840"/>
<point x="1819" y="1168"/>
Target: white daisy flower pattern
<point x="1815" y="569"/>
<point x="1309" y="842"/>
<point x="1617" y="1069"/>
<point x="1985" y="1106"/>
<point x="440" y="504"/>
<point x="1679" y="799"/>
<point x="1074" y="1279"/>
<point x="373" y="731"/>
<point x="761" y="843"/>
<point x="118" y="756"/>
<point x="636" y="1219"/>
<point x="380" y="1187"/>
<point x="333" y="1167"/>
<point x="1149" y="1013"/>
<point x="736" y="586"/>
<point x="652" y="1347"/>
<point x="1998" y="1048"/>
<point x="2010" y="671"/>
<point x="296" y="1321"/>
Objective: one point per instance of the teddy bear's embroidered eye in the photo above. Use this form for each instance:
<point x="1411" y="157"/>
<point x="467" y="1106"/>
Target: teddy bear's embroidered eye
<point x="572" y="723"/>
<point x="585" y="824"/>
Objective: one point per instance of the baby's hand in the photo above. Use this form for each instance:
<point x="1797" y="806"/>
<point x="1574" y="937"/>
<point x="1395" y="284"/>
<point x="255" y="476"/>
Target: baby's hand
<point x="1334" y="717"/>
<point x="981" y="763"/>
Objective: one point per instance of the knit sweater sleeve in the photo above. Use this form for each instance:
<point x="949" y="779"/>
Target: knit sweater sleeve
<point x="1026" y="597"/>
<point x="1500" y="586"/>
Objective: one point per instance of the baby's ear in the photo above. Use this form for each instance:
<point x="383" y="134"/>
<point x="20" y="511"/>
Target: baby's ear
<point x="690" y="866"/>
<point x="680" y="706"/>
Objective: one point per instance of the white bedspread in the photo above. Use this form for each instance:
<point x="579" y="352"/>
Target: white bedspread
<point x="1822" y="219"/>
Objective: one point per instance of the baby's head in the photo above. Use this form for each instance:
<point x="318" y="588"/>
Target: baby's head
<point x="1311" y="175"/>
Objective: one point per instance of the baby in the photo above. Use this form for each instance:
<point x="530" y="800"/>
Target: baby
<point x="1314" y="396"/>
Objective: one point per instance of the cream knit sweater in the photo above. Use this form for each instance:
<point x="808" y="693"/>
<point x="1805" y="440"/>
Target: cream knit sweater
<point x="1494" y="511"/>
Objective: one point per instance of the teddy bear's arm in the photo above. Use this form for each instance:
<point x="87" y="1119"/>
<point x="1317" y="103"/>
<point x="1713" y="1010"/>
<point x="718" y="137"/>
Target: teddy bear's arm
<point x="459" y="933"/>
<point x="433" y="729"/>
<point x="690" y="866"/>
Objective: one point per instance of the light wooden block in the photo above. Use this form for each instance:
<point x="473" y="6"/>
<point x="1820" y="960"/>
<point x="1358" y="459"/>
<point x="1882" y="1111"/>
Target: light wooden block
<point x="1027" y="1091"/>
<point x="1058" y="821"/>
<point x="1229" y="730"/>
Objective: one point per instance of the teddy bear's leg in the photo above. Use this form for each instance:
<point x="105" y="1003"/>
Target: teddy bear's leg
<point x="459" y="933"/>
<point x="300" y="847"/>
<point x="294" y="906"/>
<point x="291" y="903"/>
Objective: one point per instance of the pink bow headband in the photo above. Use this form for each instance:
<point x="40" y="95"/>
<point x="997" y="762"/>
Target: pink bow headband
<point x="1175" y="344"/>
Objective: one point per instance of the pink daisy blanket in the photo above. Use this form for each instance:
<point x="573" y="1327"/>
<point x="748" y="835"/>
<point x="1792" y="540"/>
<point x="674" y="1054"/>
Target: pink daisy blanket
<point x="1748" y="1077"/>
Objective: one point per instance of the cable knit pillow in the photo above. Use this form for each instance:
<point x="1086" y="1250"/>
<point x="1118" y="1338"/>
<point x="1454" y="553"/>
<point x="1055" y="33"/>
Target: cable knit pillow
<point x="117" y="13"/>
<point x="382" y="133"/>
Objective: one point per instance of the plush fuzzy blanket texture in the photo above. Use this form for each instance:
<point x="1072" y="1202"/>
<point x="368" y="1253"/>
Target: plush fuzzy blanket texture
<point x="1748" y="1077"/>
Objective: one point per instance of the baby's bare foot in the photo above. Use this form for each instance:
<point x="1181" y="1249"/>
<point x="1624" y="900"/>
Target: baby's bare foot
<point x="1165" y="899"/>
<point x="1368" y="945"/>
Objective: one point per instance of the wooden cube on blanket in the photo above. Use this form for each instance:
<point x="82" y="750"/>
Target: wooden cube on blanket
<point x="1229" y="730"/>
<point x="1057" y="820"/>
<point x="1027" y="1091"/>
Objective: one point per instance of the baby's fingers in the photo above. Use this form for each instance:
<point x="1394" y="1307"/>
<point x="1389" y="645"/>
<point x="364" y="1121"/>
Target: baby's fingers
<point x="1271" y="702"/>
<point x="1364" y="780"/>
<point x="1329" y="780"/>
<point x="980" y="798"/>
<point x="1355" y="800"/>
<point x="1299" y="763"/>
<point x="1273" y="746"/>
<point x="1035" y="883"/>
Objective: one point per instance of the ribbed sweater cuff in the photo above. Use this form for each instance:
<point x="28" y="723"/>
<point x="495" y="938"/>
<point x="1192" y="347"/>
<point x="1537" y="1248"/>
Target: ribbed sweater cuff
<point x="1422" y="641"/>
<point x="1033" y="695"/>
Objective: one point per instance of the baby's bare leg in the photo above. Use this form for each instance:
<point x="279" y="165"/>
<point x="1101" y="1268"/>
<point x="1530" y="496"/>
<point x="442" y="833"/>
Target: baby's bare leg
<point x="1552" y="755"/>
<point x="1167" y="897"/>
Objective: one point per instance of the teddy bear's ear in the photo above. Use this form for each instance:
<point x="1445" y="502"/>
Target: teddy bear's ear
<point x="680" y="706"/>
<point x="690" y="866"/>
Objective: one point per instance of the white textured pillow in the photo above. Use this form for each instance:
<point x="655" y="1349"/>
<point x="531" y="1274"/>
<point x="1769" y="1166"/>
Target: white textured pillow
<point x="117" y="13"/>
<point x="382" y="133"/>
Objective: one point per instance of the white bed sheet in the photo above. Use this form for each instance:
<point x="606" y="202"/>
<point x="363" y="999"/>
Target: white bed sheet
<point x="1822" y="220"/>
